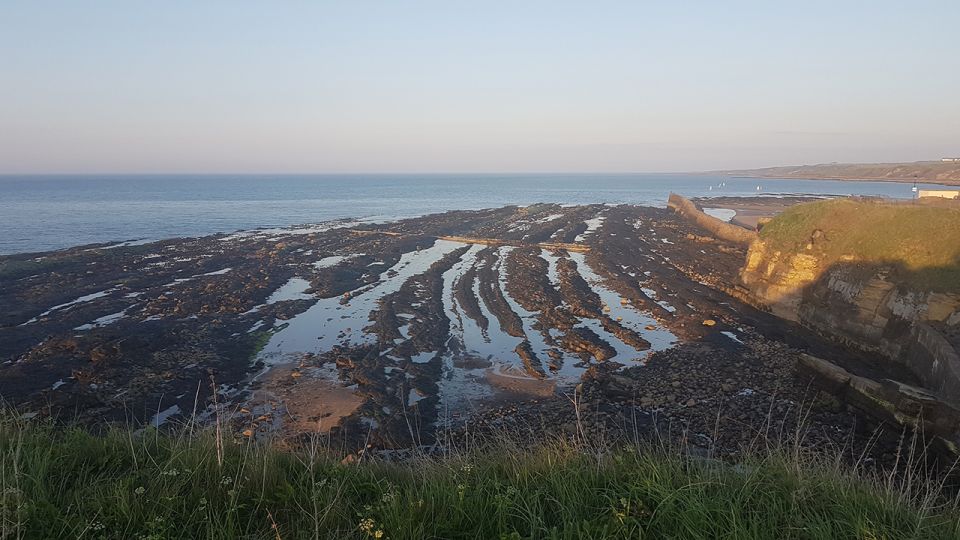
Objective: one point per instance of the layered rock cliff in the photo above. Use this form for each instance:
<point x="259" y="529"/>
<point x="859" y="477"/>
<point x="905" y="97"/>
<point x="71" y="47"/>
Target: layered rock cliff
<point x="880" y="277"/>
<point x="870" y="303"/>
<point x="861" y="304"/>
<point x="877" y="304"/>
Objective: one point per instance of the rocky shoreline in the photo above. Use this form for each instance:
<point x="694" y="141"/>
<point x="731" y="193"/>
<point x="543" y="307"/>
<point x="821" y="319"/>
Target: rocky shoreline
<point x="396" y="335"/>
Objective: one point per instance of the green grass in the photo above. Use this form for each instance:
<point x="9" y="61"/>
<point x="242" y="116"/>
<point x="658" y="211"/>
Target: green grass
<point x="66" y="483"/>
<point x="920" y="243"/>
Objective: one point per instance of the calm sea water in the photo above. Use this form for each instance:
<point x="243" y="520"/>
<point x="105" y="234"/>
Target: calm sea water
<point x="39" y="213"/>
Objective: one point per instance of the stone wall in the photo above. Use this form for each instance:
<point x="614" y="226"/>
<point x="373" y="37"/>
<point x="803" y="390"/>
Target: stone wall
<point x="717" y="227"/>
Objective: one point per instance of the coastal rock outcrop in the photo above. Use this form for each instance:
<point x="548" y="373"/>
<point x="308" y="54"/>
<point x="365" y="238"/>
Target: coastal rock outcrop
<point x="891" y="400"/>
<point x="906" y="315"/>
<point x="875" y="276"/>
<point x="861" y="304"/>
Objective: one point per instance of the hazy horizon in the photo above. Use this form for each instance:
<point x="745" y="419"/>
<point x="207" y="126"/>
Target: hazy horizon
<point x="432" y="87"/>
<point x="430" y="173"/>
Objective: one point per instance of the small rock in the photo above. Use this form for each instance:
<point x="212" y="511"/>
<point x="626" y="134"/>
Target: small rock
<point x="709" y="322"/>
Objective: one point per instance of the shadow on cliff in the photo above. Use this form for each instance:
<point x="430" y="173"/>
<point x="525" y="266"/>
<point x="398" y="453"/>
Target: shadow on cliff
<point x="905" y="292"/>
<point x="903" y="321"/>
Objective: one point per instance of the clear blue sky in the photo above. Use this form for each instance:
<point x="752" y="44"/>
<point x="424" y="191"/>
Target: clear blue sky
<point x="408" y="86"/>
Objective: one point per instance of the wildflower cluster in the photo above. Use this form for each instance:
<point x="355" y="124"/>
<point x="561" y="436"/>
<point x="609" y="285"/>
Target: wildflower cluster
<point x="463" y="474"/>
<point x="369" y="527"/>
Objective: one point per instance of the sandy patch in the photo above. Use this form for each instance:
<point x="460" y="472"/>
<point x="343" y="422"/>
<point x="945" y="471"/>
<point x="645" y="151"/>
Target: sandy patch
<point x="302" y="400"/>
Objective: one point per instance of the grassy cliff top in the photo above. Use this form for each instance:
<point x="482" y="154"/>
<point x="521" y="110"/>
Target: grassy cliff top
<point x="921" y="243"/>
<point x="919" y="171"/>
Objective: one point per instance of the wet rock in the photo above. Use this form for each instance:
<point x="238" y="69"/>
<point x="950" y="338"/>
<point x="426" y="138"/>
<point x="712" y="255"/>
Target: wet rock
<point x="584" y="340"/>
<point x="530" y="360"/>
<point x="176" y="334"/>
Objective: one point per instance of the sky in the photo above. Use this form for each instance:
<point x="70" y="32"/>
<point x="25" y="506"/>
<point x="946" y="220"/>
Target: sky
<point x="132" y="86"/>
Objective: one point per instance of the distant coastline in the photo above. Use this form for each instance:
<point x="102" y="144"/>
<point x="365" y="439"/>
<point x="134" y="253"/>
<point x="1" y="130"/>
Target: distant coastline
<point x="892" y="180"/>
<point x="936" y="172"/>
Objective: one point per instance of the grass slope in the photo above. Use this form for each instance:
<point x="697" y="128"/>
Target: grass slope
<point x="67" y="483"/>
<point x="920" y="243"/>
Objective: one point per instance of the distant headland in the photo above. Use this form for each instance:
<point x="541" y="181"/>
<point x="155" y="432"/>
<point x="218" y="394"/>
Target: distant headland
<point x="943" y="171"/>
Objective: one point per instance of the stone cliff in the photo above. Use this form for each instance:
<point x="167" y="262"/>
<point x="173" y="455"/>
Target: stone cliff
<point x="861" y="303"/>
<point x="882" y="278"/>
<point x="870" y="305"/>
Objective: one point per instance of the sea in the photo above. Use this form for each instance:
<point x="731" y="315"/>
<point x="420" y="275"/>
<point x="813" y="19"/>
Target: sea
<point x="43" y="213"/>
